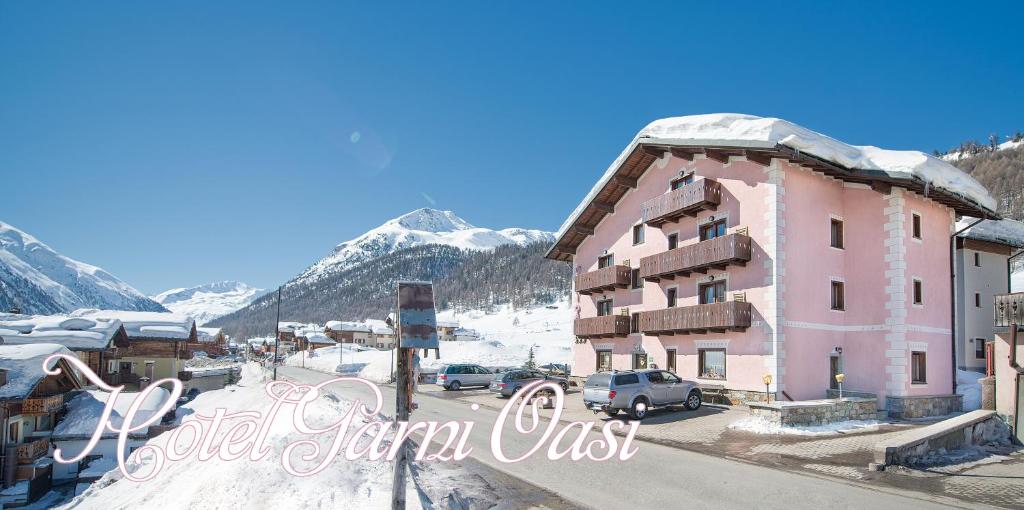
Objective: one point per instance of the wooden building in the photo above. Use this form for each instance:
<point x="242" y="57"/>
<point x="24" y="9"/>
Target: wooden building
<point x="157" y="343"/>
<point x="95" y="342"/>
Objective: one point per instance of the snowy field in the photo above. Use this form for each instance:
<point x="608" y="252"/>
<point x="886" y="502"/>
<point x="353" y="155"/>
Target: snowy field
<point x="506" y="337"/>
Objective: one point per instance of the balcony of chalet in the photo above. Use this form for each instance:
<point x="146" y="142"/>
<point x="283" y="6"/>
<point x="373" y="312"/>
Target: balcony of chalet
<point x="709" y="318"/>
<point x="31" y="451"/>
<point x="717" y="253"/>
<point x="603" y="326"/>
<point x="604" y="279"/>
<point x="40" y="406"/>
<point x="685" y="201"/>
<point x="1008" y="309"/>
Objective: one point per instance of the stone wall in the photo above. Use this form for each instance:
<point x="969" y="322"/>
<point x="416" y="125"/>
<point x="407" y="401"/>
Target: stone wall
<point x="910" y="448"/>
<point x="815" y="412"/>
<point x="830" y="393"/>
<point x="923" y="406"/>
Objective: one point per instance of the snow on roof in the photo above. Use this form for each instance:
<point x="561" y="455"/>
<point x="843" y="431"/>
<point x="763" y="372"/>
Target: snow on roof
<point x="739" y="130"/>
<point x="24" y="366"/>
<point x="319" y="338"/>
<point x="447" y="324"/>
<point x="174" y="326"/>
<point x="1005" y="231"/>
<point x="207" y="335"/>
<point x="85" y="410"/>
<point x="347" y="326"/>
<point x="75" y="333"/>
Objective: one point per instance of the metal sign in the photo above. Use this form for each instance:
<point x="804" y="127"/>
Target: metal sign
<point x="416" y="318"/>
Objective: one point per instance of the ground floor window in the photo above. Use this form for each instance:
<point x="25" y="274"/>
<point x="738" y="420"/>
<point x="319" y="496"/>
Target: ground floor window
<point x="918" y="368"/>
<point x="604" y="361"/>
<point x="670" y="360"/>
<point x="711" y="363"/>
<point x="639" y="361"/>
<point x="979" y="348"/>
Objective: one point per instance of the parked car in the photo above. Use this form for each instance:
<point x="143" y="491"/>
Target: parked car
<point x="639" y="391"/>
<point x="509" y="383"/>
<point x="455" y="377"/>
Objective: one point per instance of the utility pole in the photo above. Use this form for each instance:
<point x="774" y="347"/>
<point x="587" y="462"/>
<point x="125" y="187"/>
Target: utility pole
<point x="277" y="332"/>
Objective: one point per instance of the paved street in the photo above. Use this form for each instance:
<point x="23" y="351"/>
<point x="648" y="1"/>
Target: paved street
<point x="658" y="476"/>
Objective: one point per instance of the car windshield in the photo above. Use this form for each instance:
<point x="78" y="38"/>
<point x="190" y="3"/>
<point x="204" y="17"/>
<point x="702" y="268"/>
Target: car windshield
<point x="598" y="381"/>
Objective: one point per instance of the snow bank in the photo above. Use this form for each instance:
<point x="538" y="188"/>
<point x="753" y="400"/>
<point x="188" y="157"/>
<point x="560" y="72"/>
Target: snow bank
<point x="758" y="425"/>
<point x="85" y="410"/>
<point x="967" y="385"/>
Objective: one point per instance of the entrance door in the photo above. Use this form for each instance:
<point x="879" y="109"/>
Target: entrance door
<point x="639" y="361"/>
<point x="833" y="371"/>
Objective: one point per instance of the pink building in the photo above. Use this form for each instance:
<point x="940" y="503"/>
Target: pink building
<point x="729" y="247"/>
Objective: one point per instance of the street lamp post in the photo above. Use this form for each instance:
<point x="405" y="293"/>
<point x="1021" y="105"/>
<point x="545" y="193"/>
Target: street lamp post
<point x="767" y="387"/>
<point x="839" y="379"/>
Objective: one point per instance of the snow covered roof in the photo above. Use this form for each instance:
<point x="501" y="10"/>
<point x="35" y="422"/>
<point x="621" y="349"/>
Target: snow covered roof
<point x="319" y="338"/>
<point x="447" y="324"/>
<point x="347" y="326"/>
<point x="85" y="410"/>
<point x="1005" y="231"/>
<point x="161" y="325"/>
<point x="207" y="335"/>
<point x="75" y="333"/>
<point x="766" y="134"/>
<point x="24" y="366"/>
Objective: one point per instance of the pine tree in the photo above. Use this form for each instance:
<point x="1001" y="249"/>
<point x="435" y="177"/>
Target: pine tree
<point x="531" y="361"/>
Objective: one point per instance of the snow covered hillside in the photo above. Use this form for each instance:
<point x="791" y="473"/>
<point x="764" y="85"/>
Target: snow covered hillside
<point x="418" y="228"/>
<point x="207" y="302"/>
<point x="38" y="280"/>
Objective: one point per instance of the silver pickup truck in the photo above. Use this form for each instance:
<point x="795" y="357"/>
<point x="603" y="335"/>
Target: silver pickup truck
<point x="639" y="391"/>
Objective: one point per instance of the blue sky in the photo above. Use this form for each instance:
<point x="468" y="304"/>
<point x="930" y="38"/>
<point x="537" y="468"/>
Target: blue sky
<point x="199" y="141"/>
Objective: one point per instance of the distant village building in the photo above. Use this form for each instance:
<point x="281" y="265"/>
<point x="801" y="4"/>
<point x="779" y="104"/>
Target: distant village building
<point x="465" y="335"/>
<point x="95" y="342"/>
<point x="211" y="340"/>
<point x="446" y="330"/>
<point x="371" y="333"/>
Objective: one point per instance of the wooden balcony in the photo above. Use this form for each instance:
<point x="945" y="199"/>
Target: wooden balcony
<point x="42" y="405"/>
<point x="713" y="318"/>
<point x="28" y="453"/>
<point x="606" y="278"/>
<point x="606" y="325"/>
<point x="1008" y="309"/>
<point x="717" y="253"/>
<point x="685" y="201"/>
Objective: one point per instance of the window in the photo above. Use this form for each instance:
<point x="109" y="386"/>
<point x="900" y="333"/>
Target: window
<point x="977" y="259"/>
<point x="655" y="377"/>
<point x="918" y="292"/>
<point x="634" y="279"/>
<point x="671" y="297"/>
<point x="604" y="307"/>
<point x="977" y="300"/>
<point x="670" y="378"/>
<point x="713" y="292"/>
<point x="712" y="230"/>
<point x="634" y="323"/>
<point x="604" y="361"/>
<point x="605" y="261"/>
<point x="626" y="379"/>
<point x="682" y="181"/>
<point x="670" y="360"/>
<point x="638" y="234"/>
<point x="111" y="366"/>
<point x="837" y="233"/>
<point x="838" y="296"/>
<point x="918" y="368"/>
<point x="639" y="361"/>
<point x="712" y="363"/>
<point x="915" y="226"/>
<point x="979" y="348"/>
<point x="673" y="241"/>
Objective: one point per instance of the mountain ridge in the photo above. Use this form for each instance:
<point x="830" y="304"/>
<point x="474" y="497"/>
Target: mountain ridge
<point x="208" y="301"/>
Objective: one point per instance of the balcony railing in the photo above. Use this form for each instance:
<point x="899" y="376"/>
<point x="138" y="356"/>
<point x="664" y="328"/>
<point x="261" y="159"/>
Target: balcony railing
<point x="1008" y="309"/>
<point x="606" y="278"/>
<point x="714" y="317"/>
<point x="42" y="405"/>
<point x="27" y="453"/>
<point x="606" y="325"/>
<point x="685" y="201"/>
<point x="714" y="253"/>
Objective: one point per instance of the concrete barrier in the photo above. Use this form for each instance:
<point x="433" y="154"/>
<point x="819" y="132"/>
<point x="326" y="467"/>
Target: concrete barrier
<point x="975" y="427"/>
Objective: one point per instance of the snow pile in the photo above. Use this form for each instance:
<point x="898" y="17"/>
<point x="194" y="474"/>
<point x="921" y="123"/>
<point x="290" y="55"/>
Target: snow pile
<point x="739" y="130"/>
<point x="418" y="228"/>
<point x="207" y="302"/>
<point x="145" y="324"/>
<point x="1006" y="231"/>
<point x="758" y="425"/>
<point x="24" y="367"/>
<point x="968" y="385"/>
<point x="85" y="410"/>
<point x="71" y="332"/>
<point x="242" y="483"/>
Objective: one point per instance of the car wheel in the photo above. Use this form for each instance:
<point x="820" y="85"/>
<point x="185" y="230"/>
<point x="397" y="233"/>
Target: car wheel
<point x="455" y="386"/>
<point x="693" y="401"/>
<point x="639" y="409"/>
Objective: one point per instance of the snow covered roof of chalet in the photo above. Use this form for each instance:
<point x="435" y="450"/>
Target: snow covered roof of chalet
<point x="1006" y="231"/>
<point x="766" y="133"/>
<point x="164" y="325"/>
<point x="347" y="326"/>
<point x="85" y="410"/>
<point x="447" y="324"/>
<point x="319" y="338"/>
<point x="24" y="366"/>
<point x="75" y="333"/>
<point x="207" y="335"/>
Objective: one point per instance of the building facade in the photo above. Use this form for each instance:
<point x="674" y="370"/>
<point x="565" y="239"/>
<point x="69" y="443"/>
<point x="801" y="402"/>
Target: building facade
<point x="728" y="259"/>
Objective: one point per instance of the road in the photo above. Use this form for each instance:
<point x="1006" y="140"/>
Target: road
<point x="656" y="477"/>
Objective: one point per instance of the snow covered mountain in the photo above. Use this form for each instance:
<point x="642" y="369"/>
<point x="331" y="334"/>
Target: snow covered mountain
<point x="207" y="302"/>
<point x="418" y="228"/>
<point x="38" y="280"/>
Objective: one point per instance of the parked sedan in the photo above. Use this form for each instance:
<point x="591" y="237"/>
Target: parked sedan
<point x="509" y="383"/>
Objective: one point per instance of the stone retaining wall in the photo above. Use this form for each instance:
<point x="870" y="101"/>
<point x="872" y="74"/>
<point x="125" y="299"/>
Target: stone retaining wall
<point x="923" y="406"/>
<point x="973" y="428"/>
<point x="815" y="412"/>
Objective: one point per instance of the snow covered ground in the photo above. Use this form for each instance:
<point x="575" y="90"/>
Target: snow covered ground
<point x="967" y="385"/>
<point x="506" y="337"/>
<point x="762" y="426"/>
